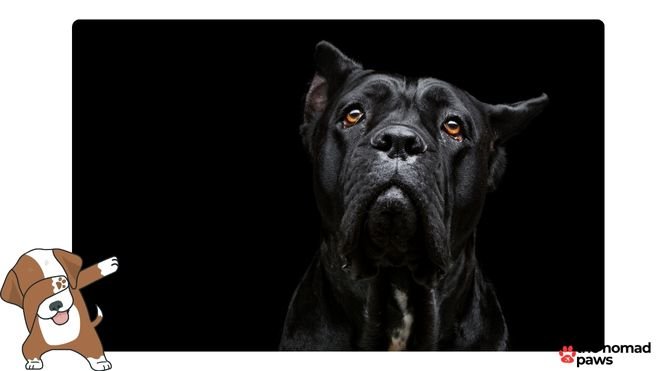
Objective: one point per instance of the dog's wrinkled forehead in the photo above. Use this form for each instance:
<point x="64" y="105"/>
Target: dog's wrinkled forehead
<point x="444" y="95"/>
<point x="382" y="85"/>
<point x="397" y="91"/>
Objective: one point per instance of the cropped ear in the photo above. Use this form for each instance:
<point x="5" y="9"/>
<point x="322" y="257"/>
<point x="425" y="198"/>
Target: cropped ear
<point x="507" y="120"/>
<point x="11" y="292"/>
<point x="332" y="68"/>
<point x="71" y="263"/>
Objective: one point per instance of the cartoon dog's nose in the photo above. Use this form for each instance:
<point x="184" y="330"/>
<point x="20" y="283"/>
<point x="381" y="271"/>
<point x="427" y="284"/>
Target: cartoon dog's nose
<point x="398" y="141"/>
<point x="55" y="306"/>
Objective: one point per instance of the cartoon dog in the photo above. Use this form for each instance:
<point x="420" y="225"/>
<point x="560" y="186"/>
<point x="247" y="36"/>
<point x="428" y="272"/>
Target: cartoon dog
<point x="46" y="284"/>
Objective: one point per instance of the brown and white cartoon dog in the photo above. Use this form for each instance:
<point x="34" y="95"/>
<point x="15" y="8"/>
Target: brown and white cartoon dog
<point x="46" y="284"/>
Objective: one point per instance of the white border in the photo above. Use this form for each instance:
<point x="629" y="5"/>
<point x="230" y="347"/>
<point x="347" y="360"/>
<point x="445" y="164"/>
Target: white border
<point x="35" y="162"/>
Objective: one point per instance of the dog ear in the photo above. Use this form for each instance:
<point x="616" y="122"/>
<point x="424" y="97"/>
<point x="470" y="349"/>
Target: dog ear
<point x="507" y="120"/>
<point x="11" y="292"/>
<point x="332" y="68"/>
<point x="71" y="263"/>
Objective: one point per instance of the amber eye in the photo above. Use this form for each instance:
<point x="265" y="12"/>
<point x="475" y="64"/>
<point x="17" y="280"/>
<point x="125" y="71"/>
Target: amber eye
<point x="453" y="128"/>
<point x="352" y="118"/>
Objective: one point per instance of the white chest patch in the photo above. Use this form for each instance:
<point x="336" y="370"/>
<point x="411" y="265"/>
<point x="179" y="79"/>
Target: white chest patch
<point x="57" y="335"/>
<point x="47" y="262"/>
<point x="400" y="335"/>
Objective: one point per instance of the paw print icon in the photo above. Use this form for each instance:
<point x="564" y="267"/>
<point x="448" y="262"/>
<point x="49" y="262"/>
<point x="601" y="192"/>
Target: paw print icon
<point x="567" y="354"/>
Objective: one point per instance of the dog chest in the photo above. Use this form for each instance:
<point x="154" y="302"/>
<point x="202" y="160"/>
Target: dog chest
<point x="55" y="335"/>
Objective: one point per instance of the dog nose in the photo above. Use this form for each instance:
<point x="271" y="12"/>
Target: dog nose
<point x="398" y="141"/>
<point x="55" y="306"/>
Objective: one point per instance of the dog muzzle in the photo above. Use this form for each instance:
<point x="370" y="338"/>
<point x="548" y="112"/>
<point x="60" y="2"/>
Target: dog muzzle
<point x="40" y="291"/>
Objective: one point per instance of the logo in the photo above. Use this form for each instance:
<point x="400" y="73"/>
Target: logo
<point x="601" y="357"/>
<point x="567" y="354"/>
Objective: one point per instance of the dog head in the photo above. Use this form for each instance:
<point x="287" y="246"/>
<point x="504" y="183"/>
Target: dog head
<point x="402" y="165"/>
<point x="41" y="283"/>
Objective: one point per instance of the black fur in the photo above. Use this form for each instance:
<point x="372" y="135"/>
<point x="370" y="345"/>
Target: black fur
<point x="399" y="200"/>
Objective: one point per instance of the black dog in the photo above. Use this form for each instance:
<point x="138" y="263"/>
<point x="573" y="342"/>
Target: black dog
<point x="401" y="170"/>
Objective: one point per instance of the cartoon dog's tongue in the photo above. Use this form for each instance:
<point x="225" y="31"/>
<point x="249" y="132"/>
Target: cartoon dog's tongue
<point x="61" y="318"/>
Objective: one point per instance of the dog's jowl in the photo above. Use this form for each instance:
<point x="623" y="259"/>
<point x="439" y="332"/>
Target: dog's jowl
<point x="46" y="284"/>
<point x="401" y="169"/>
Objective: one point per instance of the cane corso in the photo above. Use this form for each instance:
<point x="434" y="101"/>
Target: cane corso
<point x="401" y="167"/>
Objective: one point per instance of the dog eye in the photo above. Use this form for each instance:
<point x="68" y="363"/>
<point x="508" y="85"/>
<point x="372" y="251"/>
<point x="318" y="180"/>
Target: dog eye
<point x="453" y="128"/>
<point x="352" y="118"/>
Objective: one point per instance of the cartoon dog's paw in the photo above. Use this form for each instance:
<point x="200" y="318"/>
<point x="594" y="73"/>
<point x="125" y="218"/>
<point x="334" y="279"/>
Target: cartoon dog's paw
<point x="99" y="364"/>
<point x="109" y="266"/>
<point x="34" y="364"/>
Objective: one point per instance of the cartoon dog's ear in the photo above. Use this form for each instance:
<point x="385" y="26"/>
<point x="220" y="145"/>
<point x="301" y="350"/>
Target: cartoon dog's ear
<point x="507" y="120"/>
<point x="71" y="263"/>
<point x="332" y="68"/>
<point x="11" y="292"/>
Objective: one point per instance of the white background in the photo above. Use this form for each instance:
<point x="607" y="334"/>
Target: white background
<point x="35" y="166"/>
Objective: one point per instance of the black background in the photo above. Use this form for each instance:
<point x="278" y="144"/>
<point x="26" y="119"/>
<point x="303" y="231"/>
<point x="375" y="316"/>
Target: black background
<point x="187" y="165"/>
